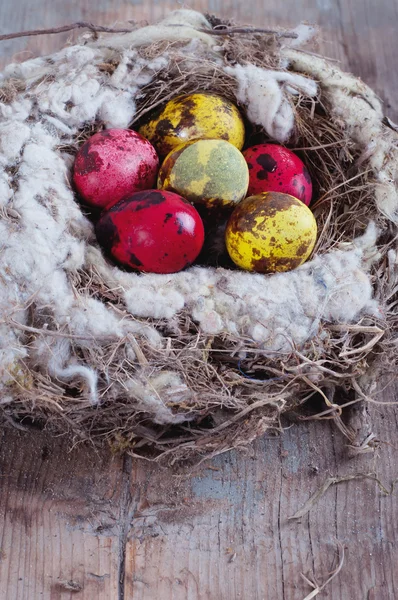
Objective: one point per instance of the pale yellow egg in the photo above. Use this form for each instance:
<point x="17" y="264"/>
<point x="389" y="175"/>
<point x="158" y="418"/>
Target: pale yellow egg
<point x="212" y="173"/>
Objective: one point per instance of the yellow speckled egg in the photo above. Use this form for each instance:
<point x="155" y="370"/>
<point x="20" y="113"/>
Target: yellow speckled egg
<point x="270" y="232"/>
<point x="208" y="172"/>
<point x="193" y="117"/>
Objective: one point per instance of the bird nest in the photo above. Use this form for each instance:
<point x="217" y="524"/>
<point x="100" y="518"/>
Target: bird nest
<point x="208" y="359"/>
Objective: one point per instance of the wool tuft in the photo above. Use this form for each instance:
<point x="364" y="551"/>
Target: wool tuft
<point x="265" y="93"/>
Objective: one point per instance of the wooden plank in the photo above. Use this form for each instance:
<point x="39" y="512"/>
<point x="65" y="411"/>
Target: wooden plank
<point x="223" y="532"/>
<point x="220" y="531"/>
<point x="211" y="534"/>
<point x="60" y="535"/>
<point x="360" y="35"/>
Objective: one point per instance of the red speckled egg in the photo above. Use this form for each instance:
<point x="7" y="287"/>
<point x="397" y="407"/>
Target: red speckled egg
<point x="112" y="164"/>
<point x="274" y="168"/>
<point x="152" y="231"/>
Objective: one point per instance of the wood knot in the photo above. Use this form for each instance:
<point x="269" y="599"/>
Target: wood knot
<point x="69" y="585"/>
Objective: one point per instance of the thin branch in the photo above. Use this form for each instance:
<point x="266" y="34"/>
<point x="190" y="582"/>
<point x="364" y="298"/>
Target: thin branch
<point x="319" y="416"/>
<point x="240" y="30"/>
<point x="334" y="481"/>
<point x="163" y="99"/>
<point x="102" y="29"/>
<point x="387" y="121"/>
<point x="51" y="333"/>
<point x="62" y="29"/>
<point x="322" y="198"/>
<point x="321" y="146"/>
<point x="244" y="412"/>
<point x="319" y="588"/>
<point x="364" y="348"/>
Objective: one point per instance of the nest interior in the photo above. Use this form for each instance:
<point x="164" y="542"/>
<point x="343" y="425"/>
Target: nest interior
<point x="169" y="385"/>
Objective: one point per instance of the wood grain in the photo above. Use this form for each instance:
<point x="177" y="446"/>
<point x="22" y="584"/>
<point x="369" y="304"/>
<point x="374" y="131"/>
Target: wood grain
<point x="359" y="33"/>
<point x="59" y="520"/>
<point x="223" y="532"/>
<point x="84" y="525"/>
<point x="219" y="531"/>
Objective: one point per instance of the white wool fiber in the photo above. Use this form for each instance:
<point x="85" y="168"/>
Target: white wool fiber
<point x="276" y="311"/>
<point x="265" y="93"/>
<point x="305" y="33"/>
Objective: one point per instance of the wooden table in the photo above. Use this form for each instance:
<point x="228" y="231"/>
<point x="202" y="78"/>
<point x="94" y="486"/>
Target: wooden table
<point x="79" y="524"/>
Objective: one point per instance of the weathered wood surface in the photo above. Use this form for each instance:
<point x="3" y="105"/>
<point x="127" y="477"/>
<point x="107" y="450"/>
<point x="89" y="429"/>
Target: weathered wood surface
<point x="59" y="520"/>
<point x="359" y="33"/>
<point x="85" y="525"/>
<point x="223" y="531"/>
<point x="82" y="525"/>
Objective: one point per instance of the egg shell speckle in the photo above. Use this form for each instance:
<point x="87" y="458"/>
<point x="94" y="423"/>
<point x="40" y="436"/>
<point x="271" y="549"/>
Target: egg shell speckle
<point x="192" y="117"/>
<point x="208" y="172"/>
<point x="152" y="231"/>
<point x="274" y="168"/>
<point x="112" y="164"/>
<point x="270" y="232"/>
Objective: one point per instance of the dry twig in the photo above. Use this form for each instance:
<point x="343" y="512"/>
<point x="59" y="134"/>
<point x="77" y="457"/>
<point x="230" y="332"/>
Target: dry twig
<point x="318" y="588"/>
<point x="62" y="29"/>
<point x="334" y="481"/>
<point x="250" y="30"/>
<point x="102" y="29"/>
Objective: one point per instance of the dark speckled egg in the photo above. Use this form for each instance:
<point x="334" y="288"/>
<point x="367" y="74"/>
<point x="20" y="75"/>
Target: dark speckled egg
<point x="270" y="233"/>
<point x="274" y="168"/>
<point x="112" y="164"/>
<point x="152" y="231"/>
<point x="193" y="117"/>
